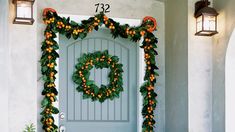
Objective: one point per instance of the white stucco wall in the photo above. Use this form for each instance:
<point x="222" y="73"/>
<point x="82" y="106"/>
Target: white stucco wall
<point x="176" y="65"/>
<point x="4" y="57"/>
<point x="226" y="24"/>
<point x="22" y="73"/>
<point x="229" y="85"/>
<point x="199" y="77"/>
<point x="188" y="71"/>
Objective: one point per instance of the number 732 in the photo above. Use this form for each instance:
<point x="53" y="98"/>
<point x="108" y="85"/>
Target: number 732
<point x="101" y="7"/>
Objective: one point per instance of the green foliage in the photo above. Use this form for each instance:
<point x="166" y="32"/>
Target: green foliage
<point x="30" y="128"/>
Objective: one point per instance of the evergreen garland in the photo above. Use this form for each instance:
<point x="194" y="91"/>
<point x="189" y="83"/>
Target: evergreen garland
<point x="88" y="87"/>
<point x="56" y="24"/>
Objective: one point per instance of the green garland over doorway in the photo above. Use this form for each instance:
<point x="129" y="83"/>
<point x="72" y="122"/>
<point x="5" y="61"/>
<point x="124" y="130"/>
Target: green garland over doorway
<point x="56" y="24"/>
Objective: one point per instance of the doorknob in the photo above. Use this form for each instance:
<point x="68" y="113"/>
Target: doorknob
<point x="62" y="128"/>
<point x="62" y="116"/>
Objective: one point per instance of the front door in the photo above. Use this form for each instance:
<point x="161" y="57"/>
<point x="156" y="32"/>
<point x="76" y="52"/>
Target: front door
<point x="83" y="115"/>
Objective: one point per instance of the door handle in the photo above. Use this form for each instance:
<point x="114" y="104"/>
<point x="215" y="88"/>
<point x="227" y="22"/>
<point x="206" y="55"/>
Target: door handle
<point x="62" y="116"/>
<point x="62" y="128"/>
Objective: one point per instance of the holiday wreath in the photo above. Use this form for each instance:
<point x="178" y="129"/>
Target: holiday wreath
<point x="88" y="87"/>
<point x="56" y="24"/>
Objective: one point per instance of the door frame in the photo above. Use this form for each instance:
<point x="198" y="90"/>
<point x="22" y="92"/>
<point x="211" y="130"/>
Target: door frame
<point x="140" y="66"/>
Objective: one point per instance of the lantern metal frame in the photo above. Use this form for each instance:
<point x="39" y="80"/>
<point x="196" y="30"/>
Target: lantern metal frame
<point x="21" y="20"/>
<point x="202" y="9"/>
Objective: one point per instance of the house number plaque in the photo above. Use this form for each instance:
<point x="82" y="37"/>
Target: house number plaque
<point x="102" y="7"/>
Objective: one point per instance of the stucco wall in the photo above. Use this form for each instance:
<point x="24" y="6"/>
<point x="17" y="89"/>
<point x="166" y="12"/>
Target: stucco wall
<point x="4" y="57"/>
<point x="131" y="9"/>
<point x="199" y="77"/>
<point x="176" y="65"/>
<point x="22" y="72"/>
<point x="229" y="85"/>
<point x="188" y="71"/>
<point x="226" y="24"/>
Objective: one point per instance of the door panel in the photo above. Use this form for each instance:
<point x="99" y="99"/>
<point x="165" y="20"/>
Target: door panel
<point x="119" y="115"/>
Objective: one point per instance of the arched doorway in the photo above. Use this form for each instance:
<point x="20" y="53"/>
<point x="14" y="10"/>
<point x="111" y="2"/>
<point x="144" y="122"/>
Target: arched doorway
<point x="230" y="85"/>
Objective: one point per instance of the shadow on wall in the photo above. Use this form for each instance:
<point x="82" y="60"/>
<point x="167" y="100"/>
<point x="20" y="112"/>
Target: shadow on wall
<point x="230" y="85"/>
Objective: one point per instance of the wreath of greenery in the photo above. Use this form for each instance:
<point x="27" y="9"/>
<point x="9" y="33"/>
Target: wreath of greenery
<point x="56" y="24"/>
<point x="88" y="87"/>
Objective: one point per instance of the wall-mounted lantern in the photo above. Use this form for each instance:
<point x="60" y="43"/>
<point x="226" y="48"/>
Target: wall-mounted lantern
<point x="206" y="19"/>
<point x="23" y="12"/>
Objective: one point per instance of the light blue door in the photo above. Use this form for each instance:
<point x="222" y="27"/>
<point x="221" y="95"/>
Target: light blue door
<point x="83" y="115"/>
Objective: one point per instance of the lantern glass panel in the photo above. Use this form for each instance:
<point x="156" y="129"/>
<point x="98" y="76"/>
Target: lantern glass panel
<point x="24" y="9"/>
<point x="209" y="23"/>
<point x="199" y="23"/>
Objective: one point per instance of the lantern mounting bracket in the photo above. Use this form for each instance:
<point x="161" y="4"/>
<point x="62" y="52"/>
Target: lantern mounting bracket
<point x="201" y="4"/>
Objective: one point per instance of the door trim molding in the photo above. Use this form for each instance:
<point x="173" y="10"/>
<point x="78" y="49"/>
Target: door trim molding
<point x="140" y="66"/>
